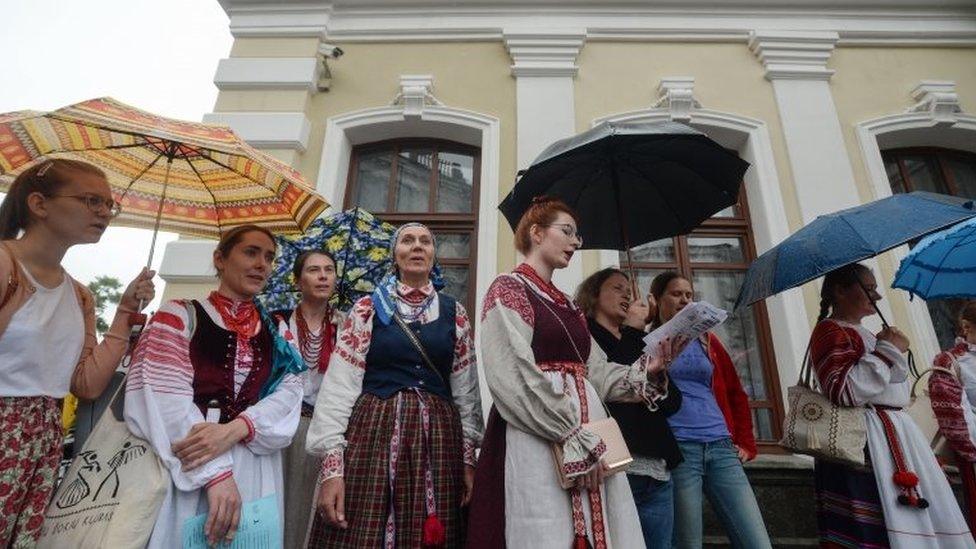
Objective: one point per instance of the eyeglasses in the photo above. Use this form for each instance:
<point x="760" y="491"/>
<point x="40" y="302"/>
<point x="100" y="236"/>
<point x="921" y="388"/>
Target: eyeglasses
<point x="569" y="231"/>
<point x="95" y="203"/>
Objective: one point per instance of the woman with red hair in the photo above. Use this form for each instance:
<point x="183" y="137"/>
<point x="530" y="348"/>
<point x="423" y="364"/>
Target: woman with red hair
<point x="548" y="379"/>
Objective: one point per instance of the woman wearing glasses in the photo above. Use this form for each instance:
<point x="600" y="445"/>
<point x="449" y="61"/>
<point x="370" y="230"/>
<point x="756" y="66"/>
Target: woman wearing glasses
<point x="47" y="329"/>
<point x="547" y="377"/>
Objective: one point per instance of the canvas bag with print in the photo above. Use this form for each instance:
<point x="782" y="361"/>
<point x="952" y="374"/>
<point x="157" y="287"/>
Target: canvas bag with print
<point x="112" y="491"/>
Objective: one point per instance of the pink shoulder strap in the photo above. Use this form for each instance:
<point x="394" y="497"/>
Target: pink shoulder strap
<point x="13" y="281"/>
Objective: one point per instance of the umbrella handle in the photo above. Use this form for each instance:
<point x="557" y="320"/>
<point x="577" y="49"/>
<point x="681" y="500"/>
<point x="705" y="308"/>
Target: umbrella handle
<point x="884" y="322"/>
<point x="911" y="356"/>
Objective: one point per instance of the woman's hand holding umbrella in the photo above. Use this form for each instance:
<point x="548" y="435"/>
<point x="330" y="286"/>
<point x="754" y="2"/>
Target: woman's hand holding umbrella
<point x="138" y="293"/>
<point x="895" y="337"/>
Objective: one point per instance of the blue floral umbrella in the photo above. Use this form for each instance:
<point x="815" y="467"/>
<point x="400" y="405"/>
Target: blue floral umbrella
<point x="360" y="244"/>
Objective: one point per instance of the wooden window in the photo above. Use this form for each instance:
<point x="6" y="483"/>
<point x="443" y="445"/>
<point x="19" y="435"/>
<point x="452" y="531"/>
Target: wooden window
<point x="434" y="182"/>
<point x="715" y="257"/>
<point x="942" y="171"/>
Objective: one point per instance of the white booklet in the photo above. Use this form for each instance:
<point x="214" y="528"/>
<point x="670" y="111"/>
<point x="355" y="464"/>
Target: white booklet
<point x="690" y="323"/>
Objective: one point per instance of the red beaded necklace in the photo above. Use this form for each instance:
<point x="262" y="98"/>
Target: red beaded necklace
<point x="316" y="348"/>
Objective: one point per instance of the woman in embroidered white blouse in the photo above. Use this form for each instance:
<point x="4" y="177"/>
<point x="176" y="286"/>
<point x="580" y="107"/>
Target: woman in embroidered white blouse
<point x="548" y="378"/>
<point x="398" y="417"/>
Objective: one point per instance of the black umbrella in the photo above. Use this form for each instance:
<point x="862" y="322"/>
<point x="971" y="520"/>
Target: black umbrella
<point x="632" y="183"/>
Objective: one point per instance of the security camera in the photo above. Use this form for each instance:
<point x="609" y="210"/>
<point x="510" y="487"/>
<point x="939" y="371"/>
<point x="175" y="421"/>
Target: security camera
<point x="330" y="50"/>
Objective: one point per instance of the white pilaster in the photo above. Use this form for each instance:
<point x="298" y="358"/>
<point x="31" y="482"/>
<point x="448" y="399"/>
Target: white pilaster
<point x="544" y="65"/>
<point x="796" y="64"/>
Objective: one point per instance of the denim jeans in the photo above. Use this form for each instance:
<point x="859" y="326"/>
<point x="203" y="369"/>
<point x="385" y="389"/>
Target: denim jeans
<point x="655" y="508"/>
<point x="713" y="468"/>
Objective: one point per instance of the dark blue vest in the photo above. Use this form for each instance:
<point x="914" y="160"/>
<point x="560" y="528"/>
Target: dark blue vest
<point x="394" y="364"/>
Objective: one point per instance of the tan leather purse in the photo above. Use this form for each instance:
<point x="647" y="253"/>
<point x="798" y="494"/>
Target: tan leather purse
<point x="617" y="456"/>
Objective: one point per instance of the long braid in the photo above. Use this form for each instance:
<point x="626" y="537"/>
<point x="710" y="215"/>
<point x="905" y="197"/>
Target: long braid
<point x="842" y="277"/>
<point x="824" y="309"/>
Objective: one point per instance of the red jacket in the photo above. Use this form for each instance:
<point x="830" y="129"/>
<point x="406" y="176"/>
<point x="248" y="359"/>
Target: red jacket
<point x="730" y="396"/>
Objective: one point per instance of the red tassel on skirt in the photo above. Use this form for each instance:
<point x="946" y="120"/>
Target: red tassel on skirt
<point x="435" y="537"/>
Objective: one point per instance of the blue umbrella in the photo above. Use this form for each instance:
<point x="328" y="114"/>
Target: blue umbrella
<point x="841" y="238"/>
<point x="942" y="265"/>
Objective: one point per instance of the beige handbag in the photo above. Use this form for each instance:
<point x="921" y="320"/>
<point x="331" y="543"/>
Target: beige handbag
<point x="617" y="456"/>
<point x="817" y="427"/>
<point x="112" y="491"/>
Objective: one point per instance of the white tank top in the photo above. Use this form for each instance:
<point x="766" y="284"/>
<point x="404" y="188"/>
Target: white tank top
<point x="42" y="344"/>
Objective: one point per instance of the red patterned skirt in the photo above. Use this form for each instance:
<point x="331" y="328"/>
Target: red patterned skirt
<point x="367" y="478"/>
<point x="30" y="451"/>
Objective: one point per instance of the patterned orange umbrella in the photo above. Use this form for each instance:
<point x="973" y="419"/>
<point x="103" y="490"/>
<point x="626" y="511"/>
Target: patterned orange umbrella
<point x="186" y="177"/>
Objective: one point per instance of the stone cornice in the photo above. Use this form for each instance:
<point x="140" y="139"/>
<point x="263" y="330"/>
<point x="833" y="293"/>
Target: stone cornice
<point x="858" y="23"/>
<point x="794" y="55"/>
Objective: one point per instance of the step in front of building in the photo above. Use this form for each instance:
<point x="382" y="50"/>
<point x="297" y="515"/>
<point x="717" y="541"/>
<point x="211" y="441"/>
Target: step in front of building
<point x="783" y="485"/>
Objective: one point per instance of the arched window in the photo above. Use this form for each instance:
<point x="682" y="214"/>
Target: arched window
<point x="715" y="256"/>
<point x="431" y="181"/>
<point x="936" y="170"/>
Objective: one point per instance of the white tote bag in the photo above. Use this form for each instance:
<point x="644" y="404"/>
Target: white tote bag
<point x="111" y="493"/>
<point x="817" y="427"/>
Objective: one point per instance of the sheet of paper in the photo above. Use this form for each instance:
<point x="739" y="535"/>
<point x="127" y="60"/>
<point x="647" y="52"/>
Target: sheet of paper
<point x="259" y="528"/>
<point x="690" y="323"/>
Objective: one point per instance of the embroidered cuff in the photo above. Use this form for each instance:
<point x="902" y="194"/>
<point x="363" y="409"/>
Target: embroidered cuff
<point x="220" y="478"/>
<point x="655" y="390"/>
<point x="650" y="388"/>
<point x="332" y="465"/>
<point x="250" y="428"/>
<point x="470" y="456"/>
<point x="581" y="451"/>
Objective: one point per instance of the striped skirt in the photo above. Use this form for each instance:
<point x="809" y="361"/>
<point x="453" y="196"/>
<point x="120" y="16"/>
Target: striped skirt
<point x="849" y="513"/>
<point x="367" y="473"/>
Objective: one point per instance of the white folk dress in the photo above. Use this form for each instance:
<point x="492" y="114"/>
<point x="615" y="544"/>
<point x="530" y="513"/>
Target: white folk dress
<point x="881" y="377"/>
<point x="541" y="404"/>
<point x="159" y="407"/>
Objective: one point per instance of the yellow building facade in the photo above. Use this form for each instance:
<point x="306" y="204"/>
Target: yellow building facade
<point x="832" y="106"/>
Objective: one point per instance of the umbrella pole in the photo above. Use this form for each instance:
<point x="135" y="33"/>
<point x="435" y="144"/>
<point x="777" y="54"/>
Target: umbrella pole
<point x="159" y="212"/>
<point x="884" y="322"/>
<point x="614" y="177"/>
<point x="342" y="286"/>
<point x="874" y="303"/>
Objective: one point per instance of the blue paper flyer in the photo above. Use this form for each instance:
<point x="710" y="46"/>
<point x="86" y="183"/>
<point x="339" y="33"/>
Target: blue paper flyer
<point x="259" y="528"/>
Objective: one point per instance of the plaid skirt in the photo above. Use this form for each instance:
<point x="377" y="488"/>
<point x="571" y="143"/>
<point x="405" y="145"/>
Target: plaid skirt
<point x="849" y="512"/>
<point x="30" y="451"/>
<point x="367" y="482"/>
